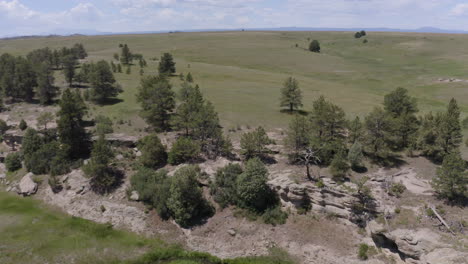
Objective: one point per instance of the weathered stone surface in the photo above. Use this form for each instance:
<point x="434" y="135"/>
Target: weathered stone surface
<point x="231" y="232"/>
<point x="332" y="199"/>
<point x="134" y="196"/>
<point x="2" y="171"/>
<point x="446" y="256"/>
<point x="27" y="186"/>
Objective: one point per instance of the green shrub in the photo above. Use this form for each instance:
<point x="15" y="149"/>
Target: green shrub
<point x="13" y="161"/>
<point x="55" y="184"/>
<point x="355" y="155"/>
<point x="186" y="202"/>
<point x="254" y="144"/>
<point x="315" y="46"/>
<point x="224" y="188"/>
<point x="103" y="125"/>
<point x="339" y="166"/>
<point x="274" y="216"/>
<point x="153" y="188"/>
<point x="252" y="190"/>
<point x="362" y="251"/>
<point x="3" y="127"/>
<point x="184" y="150"/>
<point x="153" y="152"/>
<point x="23" y="125"/>
<point x="397" y="189"/>
<point x="320" y="184"/>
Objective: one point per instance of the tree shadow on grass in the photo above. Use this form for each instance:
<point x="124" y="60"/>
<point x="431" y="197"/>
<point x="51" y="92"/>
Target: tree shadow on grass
<point x="293" y="112"/>
<point x="110" y="101"/>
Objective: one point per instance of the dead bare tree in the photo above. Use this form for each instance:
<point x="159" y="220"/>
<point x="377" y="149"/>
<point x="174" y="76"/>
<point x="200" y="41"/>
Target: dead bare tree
<point x="310" y="156"/>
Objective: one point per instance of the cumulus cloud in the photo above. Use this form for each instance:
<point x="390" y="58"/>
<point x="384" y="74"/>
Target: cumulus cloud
<point x="142" y="15"/>
<point x="15" y="10"/>
<point x="460" y="9"/>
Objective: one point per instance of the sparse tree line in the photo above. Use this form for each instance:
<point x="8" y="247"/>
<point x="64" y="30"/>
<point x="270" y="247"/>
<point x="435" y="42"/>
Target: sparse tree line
<point x="332" y="140"/>
<point x="26" y="78"/>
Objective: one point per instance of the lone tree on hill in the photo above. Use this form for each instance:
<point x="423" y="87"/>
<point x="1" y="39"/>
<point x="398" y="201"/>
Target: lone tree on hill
<point x="167" y="64"/>
<point x="126" y="56"/>
<point x="157" y="100"/>
<point x="103" y="82"/>
<point x="291" y="95"/>
<point x="315" y="46"/>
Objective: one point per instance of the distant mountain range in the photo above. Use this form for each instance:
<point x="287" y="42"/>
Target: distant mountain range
<point x="91" y="32"/>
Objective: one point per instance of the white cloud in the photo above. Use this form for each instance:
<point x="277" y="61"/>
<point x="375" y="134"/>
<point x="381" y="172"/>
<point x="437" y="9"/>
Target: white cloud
<point x="460" y="9"/>
<point x="15" y="10"/>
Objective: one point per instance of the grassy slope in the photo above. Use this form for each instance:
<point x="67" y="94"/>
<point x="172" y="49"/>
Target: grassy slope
<point x="242" y="72"/>
<point x="32" y="233"/>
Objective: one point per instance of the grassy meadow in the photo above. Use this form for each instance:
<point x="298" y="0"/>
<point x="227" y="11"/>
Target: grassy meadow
<point x="33" y="233"/>
<point x="242" y="72"/>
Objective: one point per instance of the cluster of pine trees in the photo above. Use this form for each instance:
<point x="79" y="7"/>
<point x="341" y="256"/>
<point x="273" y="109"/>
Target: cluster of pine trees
<point x="23" y="78"/>
<point x="326" y="138"/>
<point x="194" y="115"/>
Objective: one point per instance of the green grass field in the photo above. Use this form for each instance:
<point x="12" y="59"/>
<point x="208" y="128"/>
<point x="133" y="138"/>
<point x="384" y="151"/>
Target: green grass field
<point x="32" y="233"/>
<point x="242" y="72"/>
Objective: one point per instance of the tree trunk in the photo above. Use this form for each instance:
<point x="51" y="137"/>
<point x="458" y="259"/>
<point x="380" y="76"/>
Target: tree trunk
<point x="308" y="171"/>
<point x="291" y="107"/>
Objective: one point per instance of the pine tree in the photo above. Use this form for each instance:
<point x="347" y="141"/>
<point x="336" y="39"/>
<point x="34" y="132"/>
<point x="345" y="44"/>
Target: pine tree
<point x="401" y="109"/>
<point x="119" y="68"/>
<point x="157" y="100"/>
<point x="452" y="179"/>
<point x="329" y="124"/>
<point x="252" y="189"/>
<point x="298" y="136"/>
<point x="23" y="125"/>
<point x="154" y="153"/>
<point x="186" y="201"/>
<point x="70" y="128"/>
<point x="103" y="82"/>
<point x="377" y="127"/>
<point x="339" y="166"/>
<point x="355" y="155"/>
<point x="44" y="119"/>
<point x="188" y="111"/>
<point x="126" y="55"/>
<point x="254" y="144"/>
<point x="103" y="178"/>
<point x="291" y="95"/>
<point x="45" y="88"/>
<point x="69" y="64"/>
<point x="189" y="78"/>
<point x="167" y="64"/>
<point x="450" y="135"/>
<point x="355" y="130"/>
<point x="314" y="46"/>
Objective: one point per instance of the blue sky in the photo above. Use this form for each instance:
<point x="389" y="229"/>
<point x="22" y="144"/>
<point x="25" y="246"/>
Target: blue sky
<point x="23" y="17"/>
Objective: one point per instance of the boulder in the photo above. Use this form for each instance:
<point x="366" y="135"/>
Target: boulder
<point x="231" y="232"/>
<point x="413" y="245"/>
<point x="27" y="186"/>
<point x="134" y="196"/>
